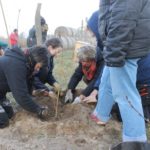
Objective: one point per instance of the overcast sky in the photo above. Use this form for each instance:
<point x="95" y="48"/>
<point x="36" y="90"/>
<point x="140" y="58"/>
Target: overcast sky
<point x="56" y="12"/>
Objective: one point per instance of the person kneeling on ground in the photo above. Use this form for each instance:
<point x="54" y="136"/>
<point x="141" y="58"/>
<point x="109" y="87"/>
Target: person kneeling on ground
<point x="16" y="70"/>
<point x="89" y="69"/>
<point x="45" y="75"/>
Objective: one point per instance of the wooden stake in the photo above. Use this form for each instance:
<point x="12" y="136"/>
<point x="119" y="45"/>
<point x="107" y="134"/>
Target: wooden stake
<point x="56" y="108"/>
<point x="38" y="25"/>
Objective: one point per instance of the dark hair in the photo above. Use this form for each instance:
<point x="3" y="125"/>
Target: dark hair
<point x="43" y="21"/>
<point x="39" y="55"/>
<point x="54" y="42"/>
<point x="15" y="30"/>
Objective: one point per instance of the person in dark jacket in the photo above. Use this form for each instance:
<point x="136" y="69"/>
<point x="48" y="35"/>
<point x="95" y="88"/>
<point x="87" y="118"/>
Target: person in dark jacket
<point x="45" y="75"/>
<point x="16" y="70"/>
<point x="122" y="27"/>
<point x="89" y="68"/>
<point x="31" y="40"/>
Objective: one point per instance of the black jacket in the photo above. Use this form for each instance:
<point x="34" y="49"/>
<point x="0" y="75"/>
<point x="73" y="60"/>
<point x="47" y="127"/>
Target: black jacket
<point x="94" y="83"/>
<point x="14" y="76"/>
<point x="124" y="27"/>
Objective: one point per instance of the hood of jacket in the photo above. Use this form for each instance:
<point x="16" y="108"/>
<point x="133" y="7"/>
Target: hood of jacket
<point x="92" y="24"/>
<point x="16" y="53"/>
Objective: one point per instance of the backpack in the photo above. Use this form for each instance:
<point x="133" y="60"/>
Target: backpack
<point x="144" y="91"/>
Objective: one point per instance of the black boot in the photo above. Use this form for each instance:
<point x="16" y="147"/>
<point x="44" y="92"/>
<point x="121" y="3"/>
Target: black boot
<point x="8" y="108"/>
<point x="4" y="120"/>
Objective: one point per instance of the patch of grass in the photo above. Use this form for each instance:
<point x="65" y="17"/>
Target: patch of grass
<point x="64" y="68"/>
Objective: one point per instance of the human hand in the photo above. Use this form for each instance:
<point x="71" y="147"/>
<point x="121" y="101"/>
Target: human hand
<point x="57" y="87"/>
<point x="52" y="95"/>
<point x="82" y="97"/>
<point x="92" y="97"/>
<point x="69" y="96"/>
<point x="43" y="113"/>
<point x="39" y="92"/>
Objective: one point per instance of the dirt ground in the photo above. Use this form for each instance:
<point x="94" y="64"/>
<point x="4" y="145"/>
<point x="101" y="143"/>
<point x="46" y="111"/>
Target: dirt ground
<point x="71" y="130"/>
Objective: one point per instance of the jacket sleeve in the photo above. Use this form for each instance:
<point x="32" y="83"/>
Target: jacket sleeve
<point x="120" y="30"/>
<point x="38" y="84"/>
<point x="75" y="78"/>
<point x="51" y="79"/>
<point x="16" y="78"/>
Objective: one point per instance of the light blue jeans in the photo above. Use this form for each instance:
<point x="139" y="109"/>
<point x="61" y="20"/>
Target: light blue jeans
<point x="117" y="85"/>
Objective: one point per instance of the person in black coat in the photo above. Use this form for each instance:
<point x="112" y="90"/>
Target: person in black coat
<point x="16" y="70"/>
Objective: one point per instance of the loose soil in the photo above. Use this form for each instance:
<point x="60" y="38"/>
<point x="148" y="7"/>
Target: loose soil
<point x="72" y="129"/>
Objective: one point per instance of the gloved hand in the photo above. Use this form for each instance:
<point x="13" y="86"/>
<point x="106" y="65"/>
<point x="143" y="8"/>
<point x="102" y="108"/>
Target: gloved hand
<point x="43" y="112"/>
<point x="57" y="87"/>
<point x="69" y="97"/>
<point x="77" y="100"/>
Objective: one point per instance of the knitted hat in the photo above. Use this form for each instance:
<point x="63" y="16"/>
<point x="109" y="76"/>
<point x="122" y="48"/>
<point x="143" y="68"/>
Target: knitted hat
<point x="86" y="53"/>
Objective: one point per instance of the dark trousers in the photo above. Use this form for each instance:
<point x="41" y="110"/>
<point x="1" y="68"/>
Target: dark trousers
<point x="6" y="110"/>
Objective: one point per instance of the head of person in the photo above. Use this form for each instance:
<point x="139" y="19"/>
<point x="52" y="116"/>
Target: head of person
<point x="54" y="46"/>
<point x="16" y="31"/>
<point x="92" y="24"/>
<point x="37" y="57"/>
<point x="42" y="20"/>
<point x="87" y="54"/>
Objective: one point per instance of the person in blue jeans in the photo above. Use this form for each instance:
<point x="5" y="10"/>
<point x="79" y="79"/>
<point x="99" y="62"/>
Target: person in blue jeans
<point x="122" y="27"/>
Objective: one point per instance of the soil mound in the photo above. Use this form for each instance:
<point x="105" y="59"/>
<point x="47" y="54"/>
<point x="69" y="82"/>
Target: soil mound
<point x="71" y="130"/>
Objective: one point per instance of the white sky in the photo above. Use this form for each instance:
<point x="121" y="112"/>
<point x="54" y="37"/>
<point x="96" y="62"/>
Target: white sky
<point x="56" y="12"/>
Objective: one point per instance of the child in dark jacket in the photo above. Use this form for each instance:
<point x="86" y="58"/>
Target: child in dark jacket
<point x="45" y="75"/>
